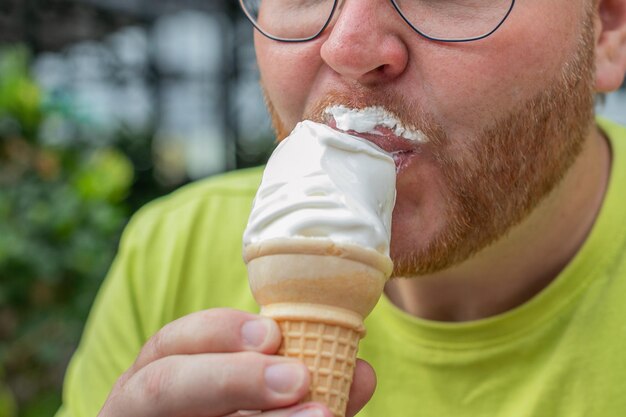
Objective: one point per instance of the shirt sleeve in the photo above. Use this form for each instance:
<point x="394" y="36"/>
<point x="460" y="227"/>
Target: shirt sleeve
<point x="178" y="255"/>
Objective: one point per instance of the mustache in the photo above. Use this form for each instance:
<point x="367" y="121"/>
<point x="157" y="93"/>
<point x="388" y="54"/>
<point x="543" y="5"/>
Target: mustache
<point x="405" y="109"/>
<point x="357" y="98"/>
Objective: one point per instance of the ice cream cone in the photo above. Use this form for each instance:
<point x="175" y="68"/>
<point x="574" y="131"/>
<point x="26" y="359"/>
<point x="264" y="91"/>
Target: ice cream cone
<point x="328" y="347"/>
<point x="316" y="246"/>
<point x="319" y="293"/>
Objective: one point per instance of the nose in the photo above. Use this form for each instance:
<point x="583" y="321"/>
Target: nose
<point x="365" y="42"/>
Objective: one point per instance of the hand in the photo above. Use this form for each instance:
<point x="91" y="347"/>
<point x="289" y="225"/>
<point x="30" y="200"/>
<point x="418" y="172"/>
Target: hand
<point x="216" y="363"/>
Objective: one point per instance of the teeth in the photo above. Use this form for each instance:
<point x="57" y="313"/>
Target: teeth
<point x="368" y="119"/>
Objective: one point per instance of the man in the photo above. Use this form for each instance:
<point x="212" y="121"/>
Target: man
<point x="509" y="226"/>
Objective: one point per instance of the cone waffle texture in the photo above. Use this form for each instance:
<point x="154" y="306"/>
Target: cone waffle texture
<point x="329" y="351"/>
<point x="319" y="293"/>
<point x="326" y="339"/>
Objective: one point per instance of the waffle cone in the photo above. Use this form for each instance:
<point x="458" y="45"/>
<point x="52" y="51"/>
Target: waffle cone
<point x="319" y="293"/>
<point x="326" y="339"/>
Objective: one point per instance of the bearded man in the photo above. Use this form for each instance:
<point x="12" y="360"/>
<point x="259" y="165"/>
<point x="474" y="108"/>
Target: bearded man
<point x="508" y="234"/>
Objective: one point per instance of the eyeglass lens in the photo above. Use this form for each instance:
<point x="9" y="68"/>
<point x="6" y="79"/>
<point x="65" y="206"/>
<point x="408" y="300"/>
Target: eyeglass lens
<point x="439" y="19"/>
<point x="454" y="19"/>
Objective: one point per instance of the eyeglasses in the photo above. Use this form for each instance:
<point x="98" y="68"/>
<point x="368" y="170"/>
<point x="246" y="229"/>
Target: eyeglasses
<point x="437" y="20"/>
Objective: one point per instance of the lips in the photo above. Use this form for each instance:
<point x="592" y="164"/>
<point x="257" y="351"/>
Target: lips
<point x="402" y="150"/>
<point x="388" y="142"/>
<point x="385" y="139"/>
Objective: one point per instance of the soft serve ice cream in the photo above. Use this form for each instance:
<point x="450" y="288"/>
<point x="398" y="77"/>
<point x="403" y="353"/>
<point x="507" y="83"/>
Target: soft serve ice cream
<point x="324" y="184"/>
<point x="317" y="249"/>
<point x="370" y="120"/>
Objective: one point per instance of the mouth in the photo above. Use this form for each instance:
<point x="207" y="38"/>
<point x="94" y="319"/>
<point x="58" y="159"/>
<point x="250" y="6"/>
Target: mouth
<point x="373" y="119"/>
<point x="400" y="149"/>
<point x="380" y="127"/>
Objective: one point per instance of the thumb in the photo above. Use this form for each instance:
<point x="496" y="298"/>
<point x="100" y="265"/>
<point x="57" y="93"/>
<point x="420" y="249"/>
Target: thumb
<point x="363" y="386"/>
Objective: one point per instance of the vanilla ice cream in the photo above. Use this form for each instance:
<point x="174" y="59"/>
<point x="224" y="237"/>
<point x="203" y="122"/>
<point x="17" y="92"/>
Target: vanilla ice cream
<point x="324" y="184"/>
<point x="370" y="119"/>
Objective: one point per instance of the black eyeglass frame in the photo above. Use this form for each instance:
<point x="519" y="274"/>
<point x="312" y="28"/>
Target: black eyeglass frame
<point x="395" y="5"/>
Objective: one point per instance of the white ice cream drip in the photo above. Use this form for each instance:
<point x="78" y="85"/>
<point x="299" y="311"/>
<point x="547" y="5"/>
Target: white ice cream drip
<point x="367" y="119"/>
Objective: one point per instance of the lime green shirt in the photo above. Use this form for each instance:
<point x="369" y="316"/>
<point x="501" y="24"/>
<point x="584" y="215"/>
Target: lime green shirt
<point x="563" y="353"/>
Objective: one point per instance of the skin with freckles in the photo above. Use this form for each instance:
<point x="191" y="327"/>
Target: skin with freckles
<point x="510" y="123"/>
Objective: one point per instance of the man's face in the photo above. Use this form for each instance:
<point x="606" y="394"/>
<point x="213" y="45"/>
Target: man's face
<point x="505" y="116"/>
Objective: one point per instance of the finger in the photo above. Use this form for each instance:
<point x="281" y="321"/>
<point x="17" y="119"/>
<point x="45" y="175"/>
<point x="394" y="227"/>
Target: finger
<point x="213" y="385"/>
<point x="302" y="410"/>
<point x="363" y="387"/>
<point x="211" y="331"/>
<point x="244" y="413"/>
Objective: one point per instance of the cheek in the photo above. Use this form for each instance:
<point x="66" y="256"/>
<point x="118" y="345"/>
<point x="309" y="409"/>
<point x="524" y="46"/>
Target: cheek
<point x="476" y="82"/>
<point x="287" y="73"/>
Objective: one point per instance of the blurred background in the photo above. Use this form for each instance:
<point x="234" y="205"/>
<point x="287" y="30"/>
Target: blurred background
<point x="104" y="106"/>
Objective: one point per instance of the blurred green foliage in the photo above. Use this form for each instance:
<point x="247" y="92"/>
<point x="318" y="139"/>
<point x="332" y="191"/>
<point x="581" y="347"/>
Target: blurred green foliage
<point x="63" y="203"/>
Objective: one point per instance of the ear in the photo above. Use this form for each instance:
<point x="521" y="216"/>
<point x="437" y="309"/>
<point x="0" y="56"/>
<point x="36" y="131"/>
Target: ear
<point x="610" y="26"/>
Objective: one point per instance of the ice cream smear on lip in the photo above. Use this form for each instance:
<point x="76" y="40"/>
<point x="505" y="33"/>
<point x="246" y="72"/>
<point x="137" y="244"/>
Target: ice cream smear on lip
<point x="369" y="119"/>
<point x="321" y="183"/>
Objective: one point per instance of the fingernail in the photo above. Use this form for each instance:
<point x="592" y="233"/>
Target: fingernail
<point x="285" y="378"/>
<point x="308" y="412"/>
<point x="254" y="332"/>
